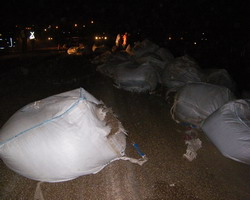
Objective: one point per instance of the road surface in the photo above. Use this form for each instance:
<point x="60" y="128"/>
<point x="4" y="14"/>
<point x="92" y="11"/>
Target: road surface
<point x="166" y="174"/>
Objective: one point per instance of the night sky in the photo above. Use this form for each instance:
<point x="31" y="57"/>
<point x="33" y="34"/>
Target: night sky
<point x="161" y="15"/>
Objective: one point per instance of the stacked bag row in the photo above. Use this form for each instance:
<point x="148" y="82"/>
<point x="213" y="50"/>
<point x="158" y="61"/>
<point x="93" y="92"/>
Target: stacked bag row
<point x="204" y="98"/>
<point x="136" y="69"/>
<point x="145" y="65"/>
<point x="224" y="119"/>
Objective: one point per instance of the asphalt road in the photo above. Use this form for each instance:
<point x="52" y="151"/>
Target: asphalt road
<point x="166" y="174"/>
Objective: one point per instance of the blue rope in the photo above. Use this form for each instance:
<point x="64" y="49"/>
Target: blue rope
<point x="136" y="146"/>
<point x="49" y="120"/>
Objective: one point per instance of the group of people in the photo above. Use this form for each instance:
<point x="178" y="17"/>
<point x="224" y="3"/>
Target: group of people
<point x="121" y="40"/>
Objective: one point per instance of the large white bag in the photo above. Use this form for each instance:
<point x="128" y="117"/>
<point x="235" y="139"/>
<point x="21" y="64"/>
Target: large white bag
<point x="196" y="101"/>
<point x="229" y="130"/>
<point x="146" y="46"/>
<point x="111" y="68"/>
<point x="144" y="78"/>
<point x="61" y="137"/>
<point x="180" y="71"/>
<point x="219" y="77"/>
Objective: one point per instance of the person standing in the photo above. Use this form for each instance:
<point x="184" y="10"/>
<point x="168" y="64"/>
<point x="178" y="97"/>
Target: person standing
<point x="118" y="40"/>
<point x="124" y="40"/>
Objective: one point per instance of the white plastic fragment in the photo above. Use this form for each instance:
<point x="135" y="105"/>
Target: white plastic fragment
<point x="140" y="161"/>
<point x="193" y="146"/>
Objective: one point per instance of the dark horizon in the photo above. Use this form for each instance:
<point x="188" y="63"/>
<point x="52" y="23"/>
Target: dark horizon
<point x="203" y="15"/>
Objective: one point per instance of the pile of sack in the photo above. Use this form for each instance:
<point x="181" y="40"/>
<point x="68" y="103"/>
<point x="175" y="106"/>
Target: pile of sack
<point x="204" y="98"/>
<point x="62" y="137"/>
<point x="136" y="69"/>
<point x="184" y="70"/>
<point x="145" y="65"/>
<point x="214" y="109"/>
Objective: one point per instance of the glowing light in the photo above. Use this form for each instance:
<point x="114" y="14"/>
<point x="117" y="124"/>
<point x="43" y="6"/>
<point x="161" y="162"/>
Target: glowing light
<point x="32" y="35"/>
<point x="50" y="38"/>
<point x="105" y="38"/>
<point x="92" y="22"/>
<point x="169" y="38"/>
<point x="181" y="38"/>
<point x="45" y="29"/>
<point x="57" y="27"/>
<point x="75" y="25"/>
<point x="195" y="43"/>
<point x="96" y="38"/>
<point x="83" y="26"/>
<point x="11" y="42"/>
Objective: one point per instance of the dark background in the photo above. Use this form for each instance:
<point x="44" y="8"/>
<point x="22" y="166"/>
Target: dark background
<point x="220" y="28"/>
<point x="157" y="17"/>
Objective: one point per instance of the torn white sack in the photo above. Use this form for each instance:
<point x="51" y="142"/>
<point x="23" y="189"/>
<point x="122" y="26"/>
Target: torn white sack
<point x="62" y="137"/>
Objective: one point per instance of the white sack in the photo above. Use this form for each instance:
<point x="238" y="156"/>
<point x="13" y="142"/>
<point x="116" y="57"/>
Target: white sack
<point x="143" y="47"/>
<point x="60" y="138"/>
<point x="194" y="102"/>
<point x="144" y="78"/>
<point x="165" y="55"/>
<point x="110" y="69"/>
<point x="180" y="71"/>
<point x="219" y="77"/>
<point x="229" y="130"/>
<point x="153" y="59"/>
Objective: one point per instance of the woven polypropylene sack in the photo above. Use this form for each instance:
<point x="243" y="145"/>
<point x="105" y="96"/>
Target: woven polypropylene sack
<point x="196" y="101"/>
<point x="229" y="130"/>
<point x="61" y="137"/>
<point x="144" y="78"/>
<point x="180" y="71"/>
